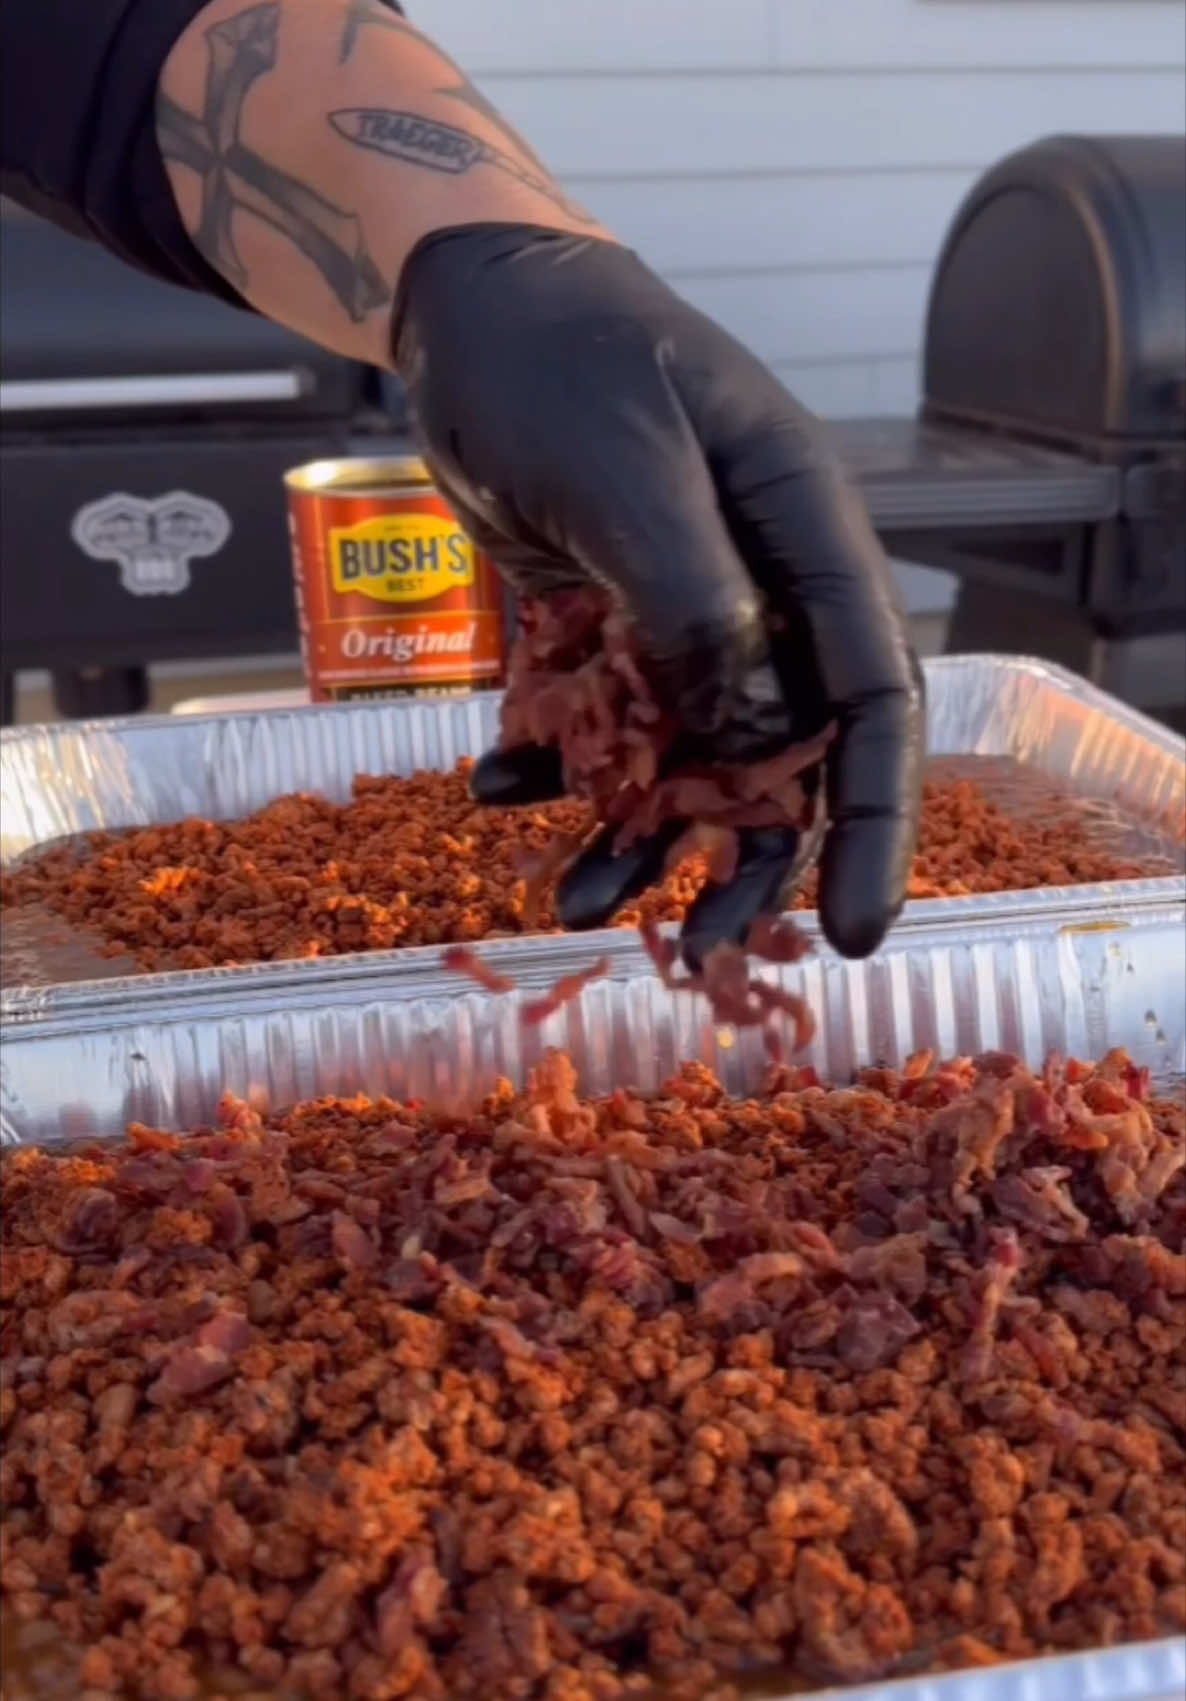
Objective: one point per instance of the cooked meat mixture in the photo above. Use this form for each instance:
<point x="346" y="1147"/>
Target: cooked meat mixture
<point x="560" y="1401"/>
<point x="415" y="862"/>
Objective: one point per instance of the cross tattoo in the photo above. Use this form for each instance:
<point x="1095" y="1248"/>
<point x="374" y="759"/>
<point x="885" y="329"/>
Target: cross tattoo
<point x="235" y="178"/>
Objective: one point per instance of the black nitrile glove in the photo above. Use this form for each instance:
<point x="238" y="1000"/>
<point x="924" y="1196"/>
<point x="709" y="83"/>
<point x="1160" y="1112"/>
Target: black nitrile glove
<point x="591" y="428"/>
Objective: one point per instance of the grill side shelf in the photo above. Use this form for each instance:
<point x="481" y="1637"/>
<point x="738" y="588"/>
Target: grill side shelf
<point x="916" y="475"/>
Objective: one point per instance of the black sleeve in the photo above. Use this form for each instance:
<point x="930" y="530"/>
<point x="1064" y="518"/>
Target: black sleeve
<point x="78" y="136"/>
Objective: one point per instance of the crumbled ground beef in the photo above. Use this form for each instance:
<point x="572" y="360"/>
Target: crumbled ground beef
<point x="414" y="862"/>
<point x="559" y="1400"/>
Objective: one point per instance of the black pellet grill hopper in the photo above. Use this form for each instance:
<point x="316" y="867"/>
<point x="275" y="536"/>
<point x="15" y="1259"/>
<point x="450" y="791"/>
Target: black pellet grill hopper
<point x="145" y="432"/>
<point x="1046" y="468"/>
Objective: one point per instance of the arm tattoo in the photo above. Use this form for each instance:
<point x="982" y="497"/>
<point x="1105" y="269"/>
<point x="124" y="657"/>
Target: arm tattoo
<point x="416" y="140"/>
<point x="360" y="13"/>
<point x="236" y="179"/>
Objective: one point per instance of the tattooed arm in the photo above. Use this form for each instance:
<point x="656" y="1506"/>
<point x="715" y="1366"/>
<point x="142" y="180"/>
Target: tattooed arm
<point x="311" y="144"/>
<point x="329" y="165"/>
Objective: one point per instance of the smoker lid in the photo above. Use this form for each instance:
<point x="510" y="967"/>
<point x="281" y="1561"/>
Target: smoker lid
<point x="84" y="337"/>
<point x="1058" y="304"/>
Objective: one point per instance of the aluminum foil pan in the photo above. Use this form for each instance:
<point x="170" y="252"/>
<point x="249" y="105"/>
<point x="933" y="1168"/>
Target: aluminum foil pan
<point x="1029" y="973"/>
<point x="59" y="780"/>
<point x="1146" y="1671"/>
<point x="1022" y="980"/>
<point x="1025" y="979"/>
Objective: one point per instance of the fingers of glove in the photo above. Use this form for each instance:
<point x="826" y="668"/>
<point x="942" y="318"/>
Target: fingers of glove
<point x="874" y="798"/>
<point x="619" y="485"/>
<point x="507" y="779"/>
<point x="766" y="864"/>
<point x="809" y="543"/>
<point x="601" y="881"/>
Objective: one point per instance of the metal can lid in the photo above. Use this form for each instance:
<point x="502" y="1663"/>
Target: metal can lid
<point x="360" y="475"/>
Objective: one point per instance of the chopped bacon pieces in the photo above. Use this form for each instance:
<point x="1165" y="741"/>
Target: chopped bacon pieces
<point x="573" y="1401"/>
<point x="734" y="996"/>
<point x="411" y="860"/>
<point x="460" y="960"/>
<point x="537" y="1010"/>
<point x="566" y="991"/>
<point x="575" y="684"/>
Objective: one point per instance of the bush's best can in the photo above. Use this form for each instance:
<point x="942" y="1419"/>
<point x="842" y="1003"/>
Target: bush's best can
<point x="392" y="597"/>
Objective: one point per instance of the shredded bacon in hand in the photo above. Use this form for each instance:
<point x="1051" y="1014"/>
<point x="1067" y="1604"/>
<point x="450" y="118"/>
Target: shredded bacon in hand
<point x="575" y="684"/>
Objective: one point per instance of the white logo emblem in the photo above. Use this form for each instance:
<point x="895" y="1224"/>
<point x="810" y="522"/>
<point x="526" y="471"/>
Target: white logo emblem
<point x="153" y="541"/>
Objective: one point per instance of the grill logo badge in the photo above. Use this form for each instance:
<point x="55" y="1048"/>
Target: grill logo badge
<point x="153" y="540"/>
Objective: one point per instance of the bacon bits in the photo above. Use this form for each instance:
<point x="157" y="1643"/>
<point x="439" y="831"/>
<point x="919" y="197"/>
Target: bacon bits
<point x="415" y="862"/>
<point x="537" y="1010"/>
<point x="583" y="1401"/>
<point x="575" y="683"/>
<point x="734" y="995"/>
<point x="460" y="961"/>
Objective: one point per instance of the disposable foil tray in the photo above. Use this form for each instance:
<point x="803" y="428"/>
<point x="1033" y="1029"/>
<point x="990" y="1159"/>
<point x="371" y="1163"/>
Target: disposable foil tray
<point x="1026" y="973"/>
<point x="1019" y="980"/>
<point x="1022" y="979"/>
<point x="60" y="780"/>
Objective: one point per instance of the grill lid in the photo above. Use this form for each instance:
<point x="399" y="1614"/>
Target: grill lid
<point x="1058" y="306"/>
<point x="84" y="338"/>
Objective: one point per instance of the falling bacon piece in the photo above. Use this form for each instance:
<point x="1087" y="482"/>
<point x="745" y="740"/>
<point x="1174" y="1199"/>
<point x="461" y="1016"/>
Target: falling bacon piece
<point x="663" y="954"/>
<point x="776" y="999"/>
<point x="543" y="869"/>
<point x="566" y="991"/>
<point x="460" y="960"/>
<point x="733" y="996"/>
<point x="777" y="940"/>
<point x="719" y="847"/>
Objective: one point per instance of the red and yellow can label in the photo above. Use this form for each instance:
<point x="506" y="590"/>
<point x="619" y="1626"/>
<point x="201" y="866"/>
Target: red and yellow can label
<point x="393" y="596"/>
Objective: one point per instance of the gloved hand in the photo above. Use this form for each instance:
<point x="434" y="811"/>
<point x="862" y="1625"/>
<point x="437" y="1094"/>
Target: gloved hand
<point x="589" y="427"/>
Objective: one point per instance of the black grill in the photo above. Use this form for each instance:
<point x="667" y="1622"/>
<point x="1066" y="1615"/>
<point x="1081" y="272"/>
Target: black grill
<point x="145" y="430"/>
<point x="1057" y="318"/>
<point x="1047" y="467"/>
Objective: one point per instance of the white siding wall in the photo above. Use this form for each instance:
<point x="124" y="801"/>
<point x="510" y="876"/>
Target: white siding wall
<point x="791" y="165"/>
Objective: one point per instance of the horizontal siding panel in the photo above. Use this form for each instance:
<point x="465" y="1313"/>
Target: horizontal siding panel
<point x="690" y="224"/>
<point x="833" y="34"/>
<point x="839" y="389"/>
<point x="897" y="386"/>
<point x="843" y="389"/>
<point x="808" y="317"/>
<point x="688" y="125"/>
<point x="563" y="35"/>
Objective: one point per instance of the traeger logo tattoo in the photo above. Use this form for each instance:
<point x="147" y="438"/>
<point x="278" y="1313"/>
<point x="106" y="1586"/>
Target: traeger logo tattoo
<point x="429" y="142"/>
<point x="154" y="541"/>
<point x="235" y="178"/>
<point x="522" y="161"/>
